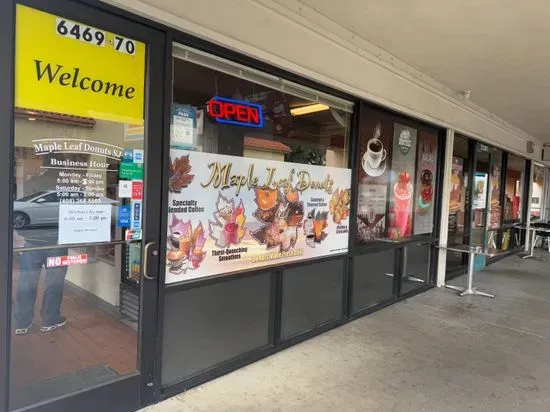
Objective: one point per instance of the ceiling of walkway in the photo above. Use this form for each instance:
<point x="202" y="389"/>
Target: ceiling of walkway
<point x="498" y="49"/>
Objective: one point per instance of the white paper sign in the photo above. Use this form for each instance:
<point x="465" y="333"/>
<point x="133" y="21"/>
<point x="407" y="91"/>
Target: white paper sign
<point x="125" y="189"/>
<point x="84" y="223"/>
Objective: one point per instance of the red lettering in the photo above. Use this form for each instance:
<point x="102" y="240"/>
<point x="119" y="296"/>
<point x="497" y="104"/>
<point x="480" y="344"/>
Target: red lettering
<point x="215" y="108"/>
<point x="224" y="111"/>
<point x="243" y="114"/>
<point x="253" y="115"/>
<point x="228" y="110"/>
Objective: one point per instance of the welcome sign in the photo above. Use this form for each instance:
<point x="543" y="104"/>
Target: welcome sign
<point x="228" y="213"/>
<point x="68" y="67"/>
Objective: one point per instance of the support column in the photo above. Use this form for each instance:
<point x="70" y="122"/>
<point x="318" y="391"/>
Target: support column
<point x="545" y="196"/>
<point x="528" y="200"/>
<point x="445" y="200"/>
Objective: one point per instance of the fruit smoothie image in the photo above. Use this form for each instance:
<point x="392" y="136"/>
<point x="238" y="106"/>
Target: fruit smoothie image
<point x="402" y="194"/>
<point x="231" y="233"/>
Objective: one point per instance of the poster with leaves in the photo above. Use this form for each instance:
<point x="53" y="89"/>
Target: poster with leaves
<point x="227" y="214"/>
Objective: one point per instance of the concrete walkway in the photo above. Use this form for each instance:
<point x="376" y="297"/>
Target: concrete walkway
<point x="435" y="352"/>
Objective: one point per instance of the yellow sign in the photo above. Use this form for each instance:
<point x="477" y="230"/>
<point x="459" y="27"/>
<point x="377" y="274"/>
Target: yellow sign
<point x="67" y="67"/>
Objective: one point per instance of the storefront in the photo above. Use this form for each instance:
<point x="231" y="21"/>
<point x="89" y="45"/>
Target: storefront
<point x="176" y="210"/>
<point x="487" y="200"/>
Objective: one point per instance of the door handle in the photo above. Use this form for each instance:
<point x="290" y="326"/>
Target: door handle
<point x="146" y="253"/>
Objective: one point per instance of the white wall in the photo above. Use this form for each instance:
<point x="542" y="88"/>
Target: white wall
<point x="290" y="35"/>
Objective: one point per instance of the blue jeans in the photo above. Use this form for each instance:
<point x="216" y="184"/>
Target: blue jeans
<point x="31" y="266"/>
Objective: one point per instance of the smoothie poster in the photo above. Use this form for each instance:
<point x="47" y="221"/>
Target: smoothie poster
<point x="373" y="177"/>
<point x="227" y="214"/>
<point x="425" y="181"/>
<point x="402" y="181"/>
<point x="495" y="197"/>
<point x="456" y="199"/>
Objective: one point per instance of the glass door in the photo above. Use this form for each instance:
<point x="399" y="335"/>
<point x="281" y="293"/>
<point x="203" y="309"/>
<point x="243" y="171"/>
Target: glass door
<point x="480" y="200"/>
<point x="86" y="190"/>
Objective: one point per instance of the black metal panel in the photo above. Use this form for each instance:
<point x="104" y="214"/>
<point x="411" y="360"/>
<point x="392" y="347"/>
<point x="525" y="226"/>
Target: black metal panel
<point x="312" y="296"/>
<point x="154" y="184"/>
<point x="7" y="42"/>
<point x="118" y="396"/>
<point x="373" y="278"/>
<point x="416" y="266"/>
<point x="207" y="326"/>
<point x="217" y="371"/>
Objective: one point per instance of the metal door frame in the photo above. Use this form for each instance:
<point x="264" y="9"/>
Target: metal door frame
<point x="141" y="388"/>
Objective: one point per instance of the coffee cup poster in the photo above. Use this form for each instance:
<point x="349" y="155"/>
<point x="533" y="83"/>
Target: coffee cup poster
<point x="227" y="214"/>
<point x="373" y="178"/>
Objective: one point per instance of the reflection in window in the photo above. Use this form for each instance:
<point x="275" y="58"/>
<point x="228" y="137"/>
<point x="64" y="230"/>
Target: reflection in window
<point x="495" y="208"/>
<point x="480" y="194"/>
<point x="75" y="291"/>
<point x="459" y="185"/>
<point x="292" y="129"/>
<point x="538" y="193"/>
<point x="515" y="173"/>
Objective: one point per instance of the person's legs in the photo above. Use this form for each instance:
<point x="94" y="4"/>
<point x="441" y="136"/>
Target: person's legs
<point x="27" y="284"/>
<point x="53" y="292"/>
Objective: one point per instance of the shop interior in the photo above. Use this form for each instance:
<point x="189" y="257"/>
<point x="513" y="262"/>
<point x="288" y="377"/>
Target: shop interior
<point x="486" y="200"/>
<point x="295" y="128"/>
<point x="100" y="297"/>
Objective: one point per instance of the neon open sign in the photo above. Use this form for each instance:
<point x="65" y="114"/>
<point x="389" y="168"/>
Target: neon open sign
<point x="236" y="112"/>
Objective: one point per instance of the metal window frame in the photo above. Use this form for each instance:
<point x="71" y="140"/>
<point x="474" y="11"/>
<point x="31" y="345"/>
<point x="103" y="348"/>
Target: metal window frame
<point x="250" y="74"/>
<point x="7" y="63"/>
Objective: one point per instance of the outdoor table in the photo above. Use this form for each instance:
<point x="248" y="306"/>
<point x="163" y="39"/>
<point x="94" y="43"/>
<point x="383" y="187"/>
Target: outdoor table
<point x="472" y="251"/>
<point x="533" y="230"/>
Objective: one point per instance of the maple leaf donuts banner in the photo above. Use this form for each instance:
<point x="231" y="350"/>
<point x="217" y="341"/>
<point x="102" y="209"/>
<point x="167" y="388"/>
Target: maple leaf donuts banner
<point x="227" y="214"/>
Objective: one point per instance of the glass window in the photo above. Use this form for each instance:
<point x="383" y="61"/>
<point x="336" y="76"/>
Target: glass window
<point x="515" y="174"/>
<point x="292" y="129"/>
<point x="396" y="179"/>
<point x="458" y="231"/>
<point x="30" y="197"/>
<point x="538" y="192"/>
<point x="480" y="194"/>
<point x="50" y="198"/>
<point x="72" y="153"/>
<point x="495" y="207"/>
<point x="459" y="185"/>
<point x="258" y="170"/>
